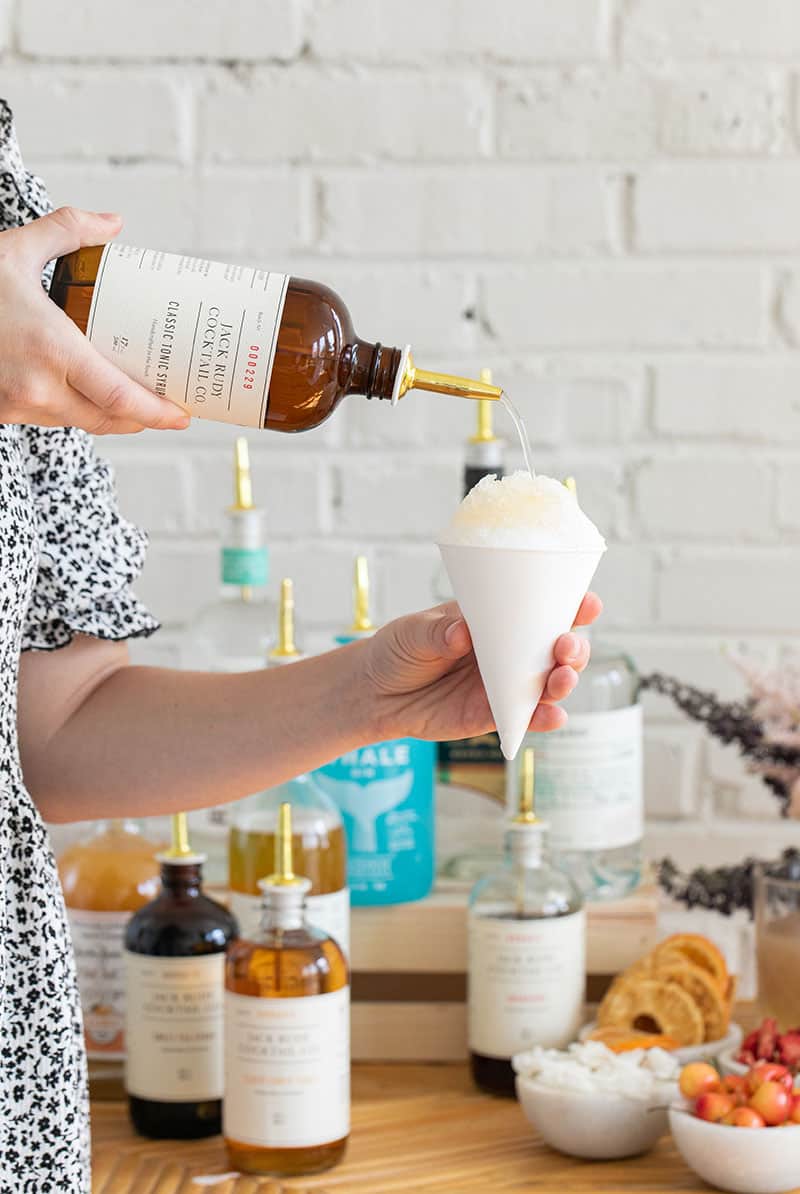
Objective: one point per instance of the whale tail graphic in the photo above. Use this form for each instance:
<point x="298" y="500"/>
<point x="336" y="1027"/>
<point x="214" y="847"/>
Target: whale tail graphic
<point x="366" y="804"/>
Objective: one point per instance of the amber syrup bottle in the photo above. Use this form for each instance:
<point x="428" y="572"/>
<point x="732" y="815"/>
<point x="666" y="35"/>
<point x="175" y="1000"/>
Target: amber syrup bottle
<point x="237" y="345"/>
<point x="287" y="1035"/>
<point x="175" y="971"/>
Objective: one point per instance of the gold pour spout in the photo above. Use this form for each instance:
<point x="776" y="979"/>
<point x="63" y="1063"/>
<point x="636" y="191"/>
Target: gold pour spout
<point x="525" y="808"/>
<point x="445" y="383"/>
<point x="362" y="623"/>
<point x="242" y="482"/>
<point x="284" y="875"/>
<point x="485" y="432"/>
<point x="180" y="847"/>
<point x="287" y="647"/>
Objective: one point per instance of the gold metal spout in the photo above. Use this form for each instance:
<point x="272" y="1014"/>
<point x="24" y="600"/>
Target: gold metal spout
<point x="362" y="623"/>
<point x="485" y="432"/>
<point x="242" y="482"/>
<point x="179" y="847"/>
<point x="526" y="814"/>
<point x="446" y="383"/>
<point x="287" y="647"/>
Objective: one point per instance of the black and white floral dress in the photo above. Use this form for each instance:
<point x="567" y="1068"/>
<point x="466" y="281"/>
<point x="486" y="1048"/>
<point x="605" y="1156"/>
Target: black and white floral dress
<point x="66" y="561"/>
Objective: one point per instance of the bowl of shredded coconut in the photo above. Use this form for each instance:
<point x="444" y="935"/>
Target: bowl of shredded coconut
<point x="587" y="1101"/>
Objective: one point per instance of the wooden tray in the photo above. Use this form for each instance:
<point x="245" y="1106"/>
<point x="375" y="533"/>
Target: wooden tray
<point x="417" y="1129"/>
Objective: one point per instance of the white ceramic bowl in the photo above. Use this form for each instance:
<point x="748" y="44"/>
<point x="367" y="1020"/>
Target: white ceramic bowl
<point x="705" y="1052"/>
<point x="744" y="1160"/>
<point x="596" y="1125"/>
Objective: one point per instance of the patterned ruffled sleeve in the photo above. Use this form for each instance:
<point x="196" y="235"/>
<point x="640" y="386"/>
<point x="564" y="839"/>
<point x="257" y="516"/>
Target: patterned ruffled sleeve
<point x="88" y="553"/>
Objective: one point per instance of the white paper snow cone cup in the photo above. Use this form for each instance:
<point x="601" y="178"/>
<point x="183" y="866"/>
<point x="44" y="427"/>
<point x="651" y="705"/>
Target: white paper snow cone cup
<point x="516" y="603"/>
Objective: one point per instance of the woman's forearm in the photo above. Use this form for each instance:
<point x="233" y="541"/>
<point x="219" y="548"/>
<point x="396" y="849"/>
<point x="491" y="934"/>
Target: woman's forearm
<point x="151" y="740"/>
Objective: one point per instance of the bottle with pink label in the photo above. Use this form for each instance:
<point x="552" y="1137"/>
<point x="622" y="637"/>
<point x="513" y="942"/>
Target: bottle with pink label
<point x="527" y="952"/>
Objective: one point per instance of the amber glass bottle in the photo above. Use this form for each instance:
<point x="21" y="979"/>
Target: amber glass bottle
<point x="287" y="1035"/>
<point x="175" y="980"/>
<point x="106" y="876"/>
<point x="233" y="344"/>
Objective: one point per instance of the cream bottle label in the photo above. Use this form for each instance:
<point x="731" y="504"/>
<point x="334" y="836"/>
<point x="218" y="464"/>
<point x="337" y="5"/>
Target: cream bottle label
<point x="174" y="1027"/>
<point x="589" y="786"/>
<point x="526" y="982"/>
<point x="97" y="942"/>
<point x="287" y="1070"/>
<point x="329" y="912"/>
<point x="199" y="332"/>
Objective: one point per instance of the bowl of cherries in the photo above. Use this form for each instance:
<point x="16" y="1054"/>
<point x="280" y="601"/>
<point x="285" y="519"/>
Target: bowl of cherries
<point x="765" y="1043"/>
<point x="724" y="1129"/>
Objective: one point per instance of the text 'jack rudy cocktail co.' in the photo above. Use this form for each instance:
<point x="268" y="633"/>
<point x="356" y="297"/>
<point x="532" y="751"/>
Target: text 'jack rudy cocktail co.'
<point x="234" y="344"/>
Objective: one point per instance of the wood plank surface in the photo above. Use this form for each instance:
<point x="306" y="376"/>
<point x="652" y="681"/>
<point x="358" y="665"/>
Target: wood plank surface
<point x="417" y="1129"/>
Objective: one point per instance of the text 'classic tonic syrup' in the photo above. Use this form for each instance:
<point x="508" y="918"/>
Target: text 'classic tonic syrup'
<point x="175" y="981"/>
<point x="234" y="344"/>
<point x="287" y="1035"/>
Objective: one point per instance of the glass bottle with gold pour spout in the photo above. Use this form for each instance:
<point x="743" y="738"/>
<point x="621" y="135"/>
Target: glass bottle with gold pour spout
<point x="526" y="951"/>
<point x="234" y="633"/>
<point x="287" y="1034"/>
<point x="318" y="843"/>
<point x="175" y="980"/>
<point x="234" y="344"/>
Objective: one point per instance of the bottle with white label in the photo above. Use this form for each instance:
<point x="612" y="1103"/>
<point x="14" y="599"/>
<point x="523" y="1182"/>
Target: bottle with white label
<point x="527" y="952"/>
<point x="233" y="634"/>
<point x="106" y="875"/>
<point x="175" y="982"/>
<point x="287" y="1035"/>
<point x="235" y="344"/>
<point x="590" y="782"/>
<point x="319" y="846"/>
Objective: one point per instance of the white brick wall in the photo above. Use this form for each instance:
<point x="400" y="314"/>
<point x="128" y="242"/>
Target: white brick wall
<point x="600" y="199"/>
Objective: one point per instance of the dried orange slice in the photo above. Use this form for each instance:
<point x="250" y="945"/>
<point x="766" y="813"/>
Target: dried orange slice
<point x="653" y="1005"/>
<point x="620" y="1040"/>
<point x="700" y="952"/>
<point x="703" y="989"/>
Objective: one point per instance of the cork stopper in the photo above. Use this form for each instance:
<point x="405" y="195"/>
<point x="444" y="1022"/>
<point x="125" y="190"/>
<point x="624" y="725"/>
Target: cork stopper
<point x="484" y="433"/>
<point x="286" y="649"/>
<point x="242" y="482"/>
<point x="362" y="623"/>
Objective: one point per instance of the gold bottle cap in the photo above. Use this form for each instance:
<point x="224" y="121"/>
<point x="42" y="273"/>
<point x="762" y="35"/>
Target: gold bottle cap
<point x="179" y="849"/>
<point x="287" y="649"/>
<point x="283" y="875"/>
<point x="527" y="781"/>
<point x="485" y="432"/>
<point x="242" y="482"/>
<point x="362" y="623"/>
<point x="412" y="378"/>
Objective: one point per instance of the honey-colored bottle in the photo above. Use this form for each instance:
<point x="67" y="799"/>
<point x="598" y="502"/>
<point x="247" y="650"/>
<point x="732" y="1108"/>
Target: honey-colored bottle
<point x="106" y="876"/>
<point x="318" y="842"/>
<point x="175" y="981"/>
<point x="234" y="344"/>
<point x="287" y="1035"/>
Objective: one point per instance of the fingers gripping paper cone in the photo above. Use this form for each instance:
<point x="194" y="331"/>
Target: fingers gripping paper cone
<point x="516" y="603"/>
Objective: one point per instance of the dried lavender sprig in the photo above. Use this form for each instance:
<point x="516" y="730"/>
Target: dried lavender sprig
<point x="726" y="888"/>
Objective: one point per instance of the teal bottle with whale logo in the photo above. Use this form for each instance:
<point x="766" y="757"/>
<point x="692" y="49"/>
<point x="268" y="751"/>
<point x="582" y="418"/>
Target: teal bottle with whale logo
<point x="385" y="794"/>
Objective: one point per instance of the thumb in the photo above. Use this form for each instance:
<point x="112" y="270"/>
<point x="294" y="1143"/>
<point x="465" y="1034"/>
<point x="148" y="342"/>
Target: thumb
<point x="67" y="229"/>
<point x="439" y="633"/>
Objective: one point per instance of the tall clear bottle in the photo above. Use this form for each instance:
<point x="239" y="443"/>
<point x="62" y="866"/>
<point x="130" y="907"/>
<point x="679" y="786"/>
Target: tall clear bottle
<point x="590" y="783"/>
<point x="238" y="345"/>
<point x="527" y="951"/>
<point x="318" y="844"/>
<point x="175" y="980"/>
<point x="287" y="1035"/>
<point x="385" y="794"/>
<point x="233" y="634"/>
<point x="106" y="876"/>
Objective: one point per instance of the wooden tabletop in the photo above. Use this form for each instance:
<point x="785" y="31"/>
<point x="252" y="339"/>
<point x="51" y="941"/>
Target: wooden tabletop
<point x="416" y="1128"/>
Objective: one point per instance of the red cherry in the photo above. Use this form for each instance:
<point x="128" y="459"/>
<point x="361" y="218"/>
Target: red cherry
<point x="736" y="1086"/>
<point x="713" y="1106"/>
<point x="744" y="1117"/>
<point x="698" y="1078"/>
<point x="768" y="1071"/>
<point x="773" y="1103"/>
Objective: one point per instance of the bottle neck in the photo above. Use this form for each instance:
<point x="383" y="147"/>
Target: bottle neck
<point x="525" y="846"/>
<point x="283" y="909"/>
<point x="245" y="558"/>
<point x="182" y="878"/>
<point x="376" y="371"/>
